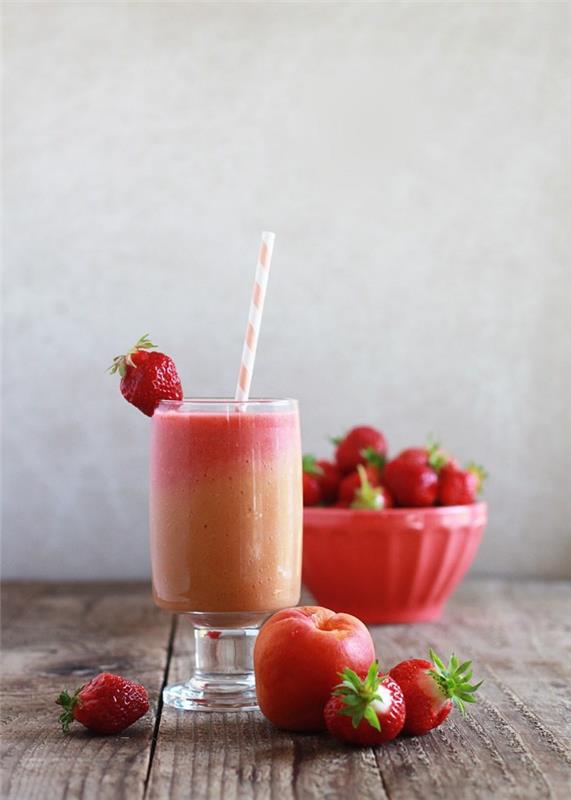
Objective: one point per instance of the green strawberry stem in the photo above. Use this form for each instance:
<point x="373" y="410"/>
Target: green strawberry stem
<point x="336" y="440"/>
<point x="454" y="680"/>
<point x="367" y="496"/>
<point x="357" y="695"/>
<point x="120" y="363"/>
<point x="373" y="457"/>
<point x="310" y="466"/>
<point x="437" y="457"/>
<point x="479" y="472"/>
<point x="68" y="702"/>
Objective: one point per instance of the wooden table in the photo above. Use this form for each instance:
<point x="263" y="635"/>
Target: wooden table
<point x="514" y="744"/>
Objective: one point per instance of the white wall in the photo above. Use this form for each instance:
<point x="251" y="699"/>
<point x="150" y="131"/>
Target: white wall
<point x="414" y="161"/>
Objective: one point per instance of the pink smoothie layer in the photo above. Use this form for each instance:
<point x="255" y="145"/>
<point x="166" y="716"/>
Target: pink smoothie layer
<point x="226" y="510"/>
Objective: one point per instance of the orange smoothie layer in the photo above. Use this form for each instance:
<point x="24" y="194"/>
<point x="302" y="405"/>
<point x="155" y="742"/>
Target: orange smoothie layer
<point x="225" y="510"/>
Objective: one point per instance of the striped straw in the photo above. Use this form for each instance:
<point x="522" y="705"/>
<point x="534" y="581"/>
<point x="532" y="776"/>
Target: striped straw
<point x="255" y="316"/>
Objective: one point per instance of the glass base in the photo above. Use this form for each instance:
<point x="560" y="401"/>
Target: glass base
<point x="223" y="677"/>
<point x="201" y="695"/>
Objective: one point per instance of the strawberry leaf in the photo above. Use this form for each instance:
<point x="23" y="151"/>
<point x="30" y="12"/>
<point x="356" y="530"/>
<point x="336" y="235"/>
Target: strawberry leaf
<point x="437" y="457"/>
<point x="120" y="363"/>
<point x="454" y="680"/>
<point x="357" y="695"/>
<point x="310" y="466"/>
<point x="144" y="343"/>
<point x="350" y="679"/>
<point x="68" y="702"/>
<point x="479" y="472"/>
<point x="372" y="718"/>
<point x="373" y="457"/>
<point x="367" y="496"/>
<point x="372" y="681"/>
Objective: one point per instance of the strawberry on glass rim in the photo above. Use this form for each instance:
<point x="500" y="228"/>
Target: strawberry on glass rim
<point x="365" y="711"/>
<point x="431" y="689"/>
<point x="147" y="377"/>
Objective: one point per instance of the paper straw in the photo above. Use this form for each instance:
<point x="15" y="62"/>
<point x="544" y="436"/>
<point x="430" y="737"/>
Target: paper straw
<point x="255" y="316"/>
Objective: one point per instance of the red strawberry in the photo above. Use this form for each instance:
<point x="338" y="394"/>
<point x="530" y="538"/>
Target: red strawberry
<point x="365" y="711"/>
<point x="431" y="689"/>
<point x="328" y="480"/>
<point x="311" y="487"/>
<point x="460" y="487"/>
<point x="352" y="482"/>
<point x="387" y="499"/>
<point x="147" y="378"/>
<point x="367" y="496"/>
<point x="362" y="445"/>
<point x="340" y="504"/>
<point x="412" y="477"/>
<point x="107" y="704"/>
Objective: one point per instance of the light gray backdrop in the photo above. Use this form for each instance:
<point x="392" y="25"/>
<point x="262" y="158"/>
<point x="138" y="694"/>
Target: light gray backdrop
<point x="414" y="162"/>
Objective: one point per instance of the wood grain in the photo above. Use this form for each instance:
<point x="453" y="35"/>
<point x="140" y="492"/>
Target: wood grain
<point x="207" y="756"/>
<point x="58" y="637"/>
<point x="514" y="743"/>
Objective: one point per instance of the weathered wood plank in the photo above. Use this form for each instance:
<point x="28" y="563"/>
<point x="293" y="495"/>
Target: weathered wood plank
<point x="15" y="597"/>
<point x="58" y="637"/>
<point x="515" y="740"/>
<point x="514" y="743"/>
<point x="209" y="756"/>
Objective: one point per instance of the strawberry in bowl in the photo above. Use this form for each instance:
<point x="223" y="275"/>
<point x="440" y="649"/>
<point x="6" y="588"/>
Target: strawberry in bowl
<point x="422" y="555"/>
<point x="419" y="512"/>
<point x="412" y="477"/>
<point x="361" y="445"/>
<point x="460" y="487"/>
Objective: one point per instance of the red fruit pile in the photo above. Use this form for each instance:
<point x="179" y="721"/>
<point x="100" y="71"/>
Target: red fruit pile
<point x="317" y="670"/>
<point x="414" y="697"/>
<point x="362" y="476"/>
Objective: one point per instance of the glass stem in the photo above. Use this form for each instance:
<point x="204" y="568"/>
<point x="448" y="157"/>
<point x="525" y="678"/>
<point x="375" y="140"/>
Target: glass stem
<point x="222" y="655"/>
<point x="223" y="676"/>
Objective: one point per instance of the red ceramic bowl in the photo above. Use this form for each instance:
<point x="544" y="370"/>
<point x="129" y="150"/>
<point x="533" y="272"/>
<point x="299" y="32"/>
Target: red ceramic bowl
<point x="397" y="565"/>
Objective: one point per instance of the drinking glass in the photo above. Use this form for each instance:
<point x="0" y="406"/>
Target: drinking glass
<point x="226" y="533"/>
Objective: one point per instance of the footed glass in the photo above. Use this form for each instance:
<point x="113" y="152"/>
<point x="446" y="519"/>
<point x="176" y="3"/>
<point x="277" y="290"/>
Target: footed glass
<point x="226" y="533"/>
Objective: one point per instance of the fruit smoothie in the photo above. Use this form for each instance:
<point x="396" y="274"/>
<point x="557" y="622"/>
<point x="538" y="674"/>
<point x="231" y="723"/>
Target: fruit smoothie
<point x="226" y="506"/>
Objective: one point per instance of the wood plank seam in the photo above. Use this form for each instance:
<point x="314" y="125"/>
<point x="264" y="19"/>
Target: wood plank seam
<point x="156" y="729"/>
<point x="381" y="776"/>
<point x="514" y="743"/>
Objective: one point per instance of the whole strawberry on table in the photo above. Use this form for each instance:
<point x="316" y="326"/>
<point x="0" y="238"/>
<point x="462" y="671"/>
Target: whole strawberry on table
<point x="316" y="670"/>
<point x="415" y="697"/>
<point x="362" y="476"/>
<point x="365" y="711"/>
<point x="106" y="704"/>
